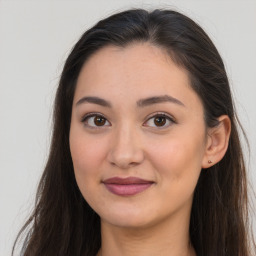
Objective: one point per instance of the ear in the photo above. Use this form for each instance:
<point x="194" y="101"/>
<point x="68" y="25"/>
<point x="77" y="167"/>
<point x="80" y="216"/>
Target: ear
<point x="217" y="142"/>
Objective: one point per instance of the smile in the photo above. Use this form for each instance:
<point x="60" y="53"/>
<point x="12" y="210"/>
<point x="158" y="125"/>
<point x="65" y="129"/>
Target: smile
<point x="127" y="186"/>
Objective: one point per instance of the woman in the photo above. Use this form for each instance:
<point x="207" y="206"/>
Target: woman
<point x="145" y="156"/>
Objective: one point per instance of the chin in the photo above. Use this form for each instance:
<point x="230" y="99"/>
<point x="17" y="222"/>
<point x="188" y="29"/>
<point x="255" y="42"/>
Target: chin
<point x="129" y="223"/>
<point x="129" y="218"/>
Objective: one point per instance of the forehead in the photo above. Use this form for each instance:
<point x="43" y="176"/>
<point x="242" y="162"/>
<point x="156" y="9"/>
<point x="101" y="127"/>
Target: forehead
<point x="138" y="58"/>
<point x="129" y="73"/>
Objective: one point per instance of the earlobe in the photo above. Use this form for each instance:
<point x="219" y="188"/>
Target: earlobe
<point x="217" y="142"/>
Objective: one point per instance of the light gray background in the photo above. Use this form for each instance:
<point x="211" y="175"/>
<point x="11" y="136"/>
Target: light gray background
<point x="35" y="38"/>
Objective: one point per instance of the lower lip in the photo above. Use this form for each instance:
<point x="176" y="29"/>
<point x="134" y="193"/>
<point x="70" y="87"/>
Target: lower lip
<point x="127" y="189"/>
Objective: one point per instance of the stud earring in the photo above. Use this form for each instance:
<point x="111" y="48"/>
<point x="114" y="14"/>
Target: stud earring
<point x="209" y="162"/>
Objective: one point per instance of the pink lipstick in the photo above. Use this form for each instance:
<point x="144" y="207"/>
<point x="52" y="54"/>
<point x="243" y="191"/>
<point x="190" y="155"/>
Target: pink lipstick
<point x="126" y="186"/>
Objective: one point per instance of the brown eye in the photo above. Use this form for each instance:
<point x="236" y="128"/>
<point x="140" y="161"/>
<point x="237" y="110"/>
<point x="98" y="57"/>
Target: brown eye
<point x="160" y="121"/>
<point x="99" y="120"/>
<point x="94" y="121"/>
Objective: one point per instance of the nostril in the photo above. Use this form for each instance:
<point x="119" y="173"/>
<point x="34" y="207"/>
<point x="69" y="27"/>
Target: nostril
<point x="125" y="150"/>
<point x="125" y="161"/>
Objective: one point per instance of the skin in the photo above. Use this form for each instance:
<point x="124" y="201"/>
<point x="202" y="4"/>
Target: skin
<point x="128" y="142"/>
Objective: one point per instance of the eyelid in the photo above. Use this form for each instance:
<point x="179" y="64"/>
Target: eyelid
<point x="93" y="114"/>
<point x="154" y="115"/>
<point x="162" y="114"/>
<point x="90" y="114"/>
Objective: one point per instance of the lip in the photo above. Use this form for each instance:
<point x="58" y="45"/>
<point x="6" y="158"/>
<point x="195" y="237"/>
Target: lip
<point x="127" y="186"/>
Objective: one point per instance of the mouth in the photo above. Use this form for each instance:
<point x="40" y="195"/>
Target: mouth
<point x="127" y="186"/>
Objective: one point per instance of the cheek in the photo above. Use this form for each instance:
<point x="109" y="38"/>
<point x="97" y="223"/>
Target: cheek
<point x="179" y="159"/>
<point x="87" y="157"/>
<point x="87" y="154"/>
<point x="86" y="151"/>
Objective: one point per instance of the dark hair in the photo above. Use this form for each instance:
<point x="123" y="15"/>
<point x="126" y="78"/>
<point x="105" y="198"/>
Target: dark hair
<point x="64" y="224"/>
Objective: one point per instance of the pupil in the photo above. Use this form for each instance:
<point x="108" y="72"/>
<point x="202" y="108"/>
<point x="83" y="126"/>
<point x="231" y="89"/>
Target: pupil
<point x="160" y="121"/>
<point x="99" y="121"/>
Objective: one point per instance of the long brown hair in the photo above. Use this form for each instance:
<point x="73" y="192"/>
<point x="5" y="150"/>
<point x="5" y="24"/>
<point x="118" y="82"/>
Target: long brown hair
<point x="64" y="224"/>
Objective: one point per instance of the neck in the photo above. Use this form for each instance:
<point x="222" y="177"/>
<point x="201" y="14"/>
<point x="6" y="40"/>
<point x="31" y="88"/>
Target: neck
<point x="167" y="238"/>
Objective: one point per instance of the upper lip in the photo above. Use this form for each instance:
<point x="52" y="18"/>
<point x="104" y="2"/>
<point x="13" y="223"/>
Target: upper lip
<point x="126" y="181"/>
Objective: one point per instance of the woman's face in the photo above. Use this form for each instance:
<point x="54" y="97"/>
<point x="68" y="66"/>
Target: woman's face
<point x="137" y="137"/>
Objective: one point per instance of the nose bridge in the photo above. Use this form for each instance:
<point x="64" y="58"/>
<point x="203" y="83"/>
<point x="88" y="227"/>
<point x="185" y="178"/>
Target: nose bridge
<point x="126" y="149"/>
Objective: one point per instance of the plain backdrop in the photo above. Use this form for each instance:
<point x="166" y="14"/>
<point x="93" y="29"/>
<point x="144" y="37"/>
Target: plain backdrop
<point x="36" y="37"/>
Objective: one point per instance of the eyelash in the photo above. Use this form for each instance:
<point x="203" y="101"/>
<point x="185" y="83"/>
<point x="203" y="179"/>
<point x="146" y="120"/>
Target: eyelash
<point x="163" y="115"/>
<point x="87" y="116"/>
<point x="155" y="115"/>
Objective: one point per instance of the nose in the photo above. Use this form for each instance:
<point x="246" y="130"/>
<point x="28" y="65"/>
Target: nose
<point x="125" y="149"/>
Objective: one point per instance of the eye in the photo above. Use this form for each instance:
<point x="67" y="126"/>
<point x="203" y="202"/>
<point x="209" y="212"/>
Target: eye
<point x="160" y="120"/>
<point x="95" y="120"/>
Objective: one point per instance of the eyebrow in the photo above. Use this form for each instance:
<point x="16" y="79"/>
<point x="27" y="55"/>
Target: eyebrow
<point x="158" y="99"/>
<point x="94" y="100"/>
<point x="140" y="103"/>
